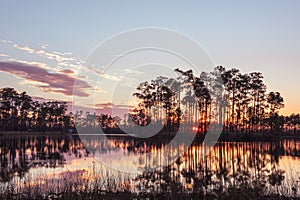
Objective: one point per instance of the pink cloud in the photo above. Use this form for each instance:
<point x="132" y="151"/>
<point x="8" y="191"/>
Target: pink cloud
<point x="113" y="109"/>
<point x="103" y="108"/>
<point x="67" y="71"/>
<point x="50" y="82"/>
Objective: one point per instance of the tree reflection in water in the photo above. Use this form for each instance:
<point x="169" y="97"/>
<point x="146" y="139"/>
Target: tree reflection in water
<point x="231" y="169"/>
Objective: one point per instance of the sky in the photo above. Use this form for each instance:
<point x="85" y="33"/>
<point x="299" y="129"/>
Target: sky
<point x="43" y="45"/>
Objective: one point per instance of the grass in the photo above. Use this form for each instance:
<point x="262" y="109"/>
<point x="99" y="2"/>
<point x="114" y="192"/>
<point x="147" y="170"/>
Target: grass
<point x="99" y="194"/>
<point x="106" y="187"/>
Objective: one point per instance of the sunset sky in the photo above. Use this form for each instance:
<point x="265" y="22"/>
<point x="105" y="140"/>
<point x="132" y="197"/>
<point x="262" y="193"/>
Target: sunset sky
<point x="43" y="46"/>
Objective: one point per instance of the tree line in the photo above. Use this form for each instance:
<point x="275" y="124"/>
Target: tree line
<point x="19" y="112"/>
<point x="244" y="105"/>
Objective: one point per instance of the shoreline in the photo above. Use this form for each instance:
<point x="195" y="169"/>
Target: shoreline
<point x="25" y="133"/>
<point x="224" y="137"/>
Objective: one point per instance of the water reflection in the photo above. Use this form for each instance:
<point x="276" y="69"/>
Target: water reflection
<point x="54" y="163"/>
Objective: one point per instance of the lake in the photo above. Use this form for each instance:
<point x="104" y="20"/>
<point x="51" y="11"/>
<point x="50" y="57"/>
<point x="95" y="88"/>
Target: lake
<point x="50" y="164"/>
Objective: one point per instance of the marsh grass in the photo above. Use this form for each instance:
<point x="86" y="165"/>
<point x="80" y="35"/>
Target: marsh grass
<point x="153" y="185"/>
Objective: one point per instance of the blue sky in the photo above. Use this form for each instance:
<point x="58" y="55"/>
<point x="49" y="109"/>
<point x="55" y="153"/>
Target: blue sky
<point x="252" y="36"/>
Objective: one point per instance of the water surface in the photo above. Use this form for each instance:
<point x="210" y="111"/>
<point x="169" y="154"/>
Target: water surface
<point x="52" y="163"/>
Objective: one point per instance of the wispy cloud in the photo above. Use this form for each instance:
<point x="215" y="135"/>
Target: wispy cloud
<point x="45" y="80"/>
<point x="6" y="41"/>
<point x="107" y="76"/>
<point x="130" y="82"/>
<point x="3" y="55"/>
<point x="54" y="56"/>
<point x="64" y="60"/>
<point x="132" y="71"/>
<point x="24" y="48"/>
<point x="38" y="64"/>
<point x="44" y="46"/>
